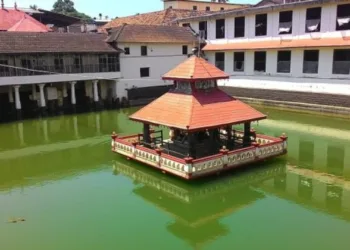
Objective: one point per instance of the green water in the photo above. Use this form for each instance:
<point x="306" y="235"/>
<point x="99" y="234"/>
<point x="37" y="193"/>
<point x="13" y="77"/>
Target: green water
<point x="60" y="175"/>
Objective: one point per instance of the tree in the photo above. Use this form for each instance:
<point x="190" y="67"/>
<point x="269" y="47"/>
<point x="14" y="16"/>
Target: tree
<point x="34" y="7"/>
<point x="66" y="7"/>
<point x="100" y="15"/>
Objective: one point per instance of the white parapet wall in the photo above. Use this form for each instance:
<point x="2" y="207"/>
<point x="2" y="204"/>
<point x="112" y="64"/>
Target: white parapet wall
<point x="310" y="85"/>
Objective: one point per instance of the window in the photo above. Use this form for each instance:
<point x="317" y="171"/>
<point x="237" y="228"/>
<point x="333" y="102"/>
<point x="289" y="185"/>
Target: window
<point x="144" y="72"/>
<point x="220" y="28"/>
<point x="222" y="8"/>
<point x="113" y="63"/>
<point x="78" y="62"/>
<point x="341" y="61"/>
<point x="58" y="62"/>
<point x="261" y="25"/>
<point x="343" y="17"/>
<point x="194" y="7"/>
<point x="220" y="60"/>
<point x="127" y="51"/>
<point x="239" y="26"/>
<point x="203" y="29"/>
<point x="102" y="59"/>
<point x="260" y="61"/>
<point x="184" y="49"/>
<point x="283" y="61"/>
<point x="313" y="20"/>
<point x="207" y="8"/>
<point x="185" y="25"/>
<point x="238" y="61"/>
<point x="286" y="22"/>
<point x="143" y="50"/>
<point x="310" y="65"/>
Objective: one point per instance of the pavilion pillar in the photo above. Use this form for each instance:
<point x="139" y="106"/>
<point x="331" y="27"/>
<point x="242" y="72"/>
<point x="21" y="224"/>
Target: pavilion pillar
<point x="246" y="137"/>
<point x="11" y="100"/>
<point x="73" y="98"/>
<point x="229" y="136"/>
<point x="65" y="95"/>
<point x="191" y="145"/>
<point x="18" y="102"/>
<point x="146" y="133"/>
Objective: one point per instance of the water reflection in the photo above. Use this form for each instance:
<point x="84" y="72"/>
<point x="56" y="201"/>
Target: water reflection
<point x="197" y="207"/>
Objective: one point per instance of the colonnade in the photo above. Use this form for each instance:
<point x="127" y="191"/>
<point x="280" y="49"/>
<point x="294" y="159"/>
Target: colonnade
<point x="14" y="95"/>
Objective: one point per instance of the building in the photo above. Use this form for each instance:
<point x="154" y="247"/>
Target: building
<point x="56" y="72"/>
<point x="163" y="17"/>
<point x="15" y="20"/>
<point x="149" y="52"/>
<point x="277" y="52"/>
<point x="213" y="5"/>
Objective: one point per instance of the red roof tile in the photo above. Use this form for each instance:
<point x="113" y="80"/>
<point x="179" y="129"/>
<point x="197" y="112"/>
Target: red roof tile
<point x="16" y="20"/>
<point x="277" y="44"/>
<point x="195" y="68"/>
<point x="197" y="111"/>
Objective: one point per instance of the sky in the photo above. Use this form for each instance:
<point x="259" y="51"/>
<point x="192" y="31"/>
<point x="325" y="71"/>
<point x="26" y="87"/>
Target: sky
<point x="111" y="8"/>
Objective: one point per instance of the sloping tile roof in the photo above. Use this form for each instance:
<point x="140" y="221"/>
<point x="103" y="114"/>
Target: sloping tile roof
<point x="277" y="44"/>
<point x="32" y="42"/>
<point x="197" y="111"/>
<point x="195" y="68"/>
<point x="16" y="20"/>
<point x="151" y="34"/>
<point x="163" y="17"/>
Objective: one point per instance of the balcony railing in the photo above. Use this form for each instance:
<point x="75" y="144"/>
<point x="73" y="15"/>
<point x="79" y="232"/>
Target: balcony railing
<point x="220" y="65"/>
<point x="341" y="67"/>
<point x="310" y="67"/>
<point x="283" y="67"/>
<point x="58" y="69"/>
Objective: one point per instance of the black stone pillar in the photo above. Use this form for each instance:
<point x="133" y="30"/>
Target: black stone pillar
<point x="146" y="133"/>
<point x="191" y="145"/>
<point x="246" y="137"/>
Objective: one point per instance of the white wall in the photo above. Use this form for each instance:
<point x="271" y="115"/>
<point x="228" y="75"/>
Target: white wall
<point x="296" y="80"/>
<point x="160" y="59"/>
<point x="328" y="24"/>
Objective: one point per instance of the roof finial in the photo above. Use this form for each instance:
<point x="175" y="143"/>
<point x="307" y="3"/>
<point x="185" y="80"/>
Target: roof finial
<point x="15" y="5"/>
<point x="2" y="4"/>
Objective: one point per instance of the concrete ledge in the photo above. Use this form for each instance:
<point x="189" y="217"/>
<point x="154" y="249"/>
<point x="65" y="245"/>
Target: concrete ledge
<point x="299" y="107"/>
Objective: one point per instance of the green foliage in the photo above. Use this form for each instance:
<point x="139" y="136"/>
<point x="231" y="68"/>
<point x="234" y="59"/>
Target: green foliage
<point x="34" y="7"/>
<point x="66" y="7"/>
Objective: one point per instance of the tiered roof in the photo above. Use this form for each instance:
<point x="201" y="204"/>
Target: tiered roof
<point x="16" y="20"/>
<point x="197" y="110"/>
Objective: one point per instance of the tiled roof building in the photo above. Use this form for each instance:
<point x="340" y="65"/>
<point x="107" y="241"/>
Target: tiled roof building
<point x="151" y="34"/>
<point x="163" y="17"/>
<point x="16" y="20"/>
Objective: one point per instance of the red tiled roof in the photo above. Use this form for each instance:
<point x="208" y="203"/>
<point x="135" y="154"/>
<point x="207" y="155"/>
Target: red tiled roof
<point x="278" y="44"/>
<point x="195" y="68"/>
<point x="16" y="20"/>
<point x="197" y="111"/>
<point x="163" y="17"/>
<point x="135" y="33"/>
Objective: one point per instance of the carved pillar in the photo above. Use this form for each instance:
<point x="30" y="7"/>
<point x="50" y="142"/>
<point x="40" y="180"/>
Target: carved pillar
<point x="18" y="102"/>
<point x="146" y="133"/>
<point x="73" y="98"/>
<point x="42" y="99"/>
<point x="246" y="137"/>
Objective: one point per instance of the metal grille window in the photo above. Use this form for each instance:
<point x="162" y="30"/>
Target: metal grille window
<point x="240" y="26"/>
<point x="310" y="64"/>
<point x="194" y="7"/>
<point x="341" y="61"/>
<point x="144" y="72"/>
<point x="283" y="61"/>
<point x="343" y="17"/>
<point x="203" y="29"/>
<point x="220" y="28"/>
<point x="313" y="20"/>
<point x="184" y="49"/>
<point x="260" y="61"/>
<point x="127" y="51"/>
<point x="238" y="61"/>
<point x="286" y="22"/>
<point x="261" y="25"/>
<point x="143" y="50"/>
<point x="220" y="60"/>
<point x="207" y="8"/>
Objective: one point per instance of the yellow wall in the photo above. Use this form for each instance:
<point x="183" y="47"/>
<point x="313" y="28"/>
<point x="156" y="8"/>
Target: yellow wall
<point x="188" y="5"/>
